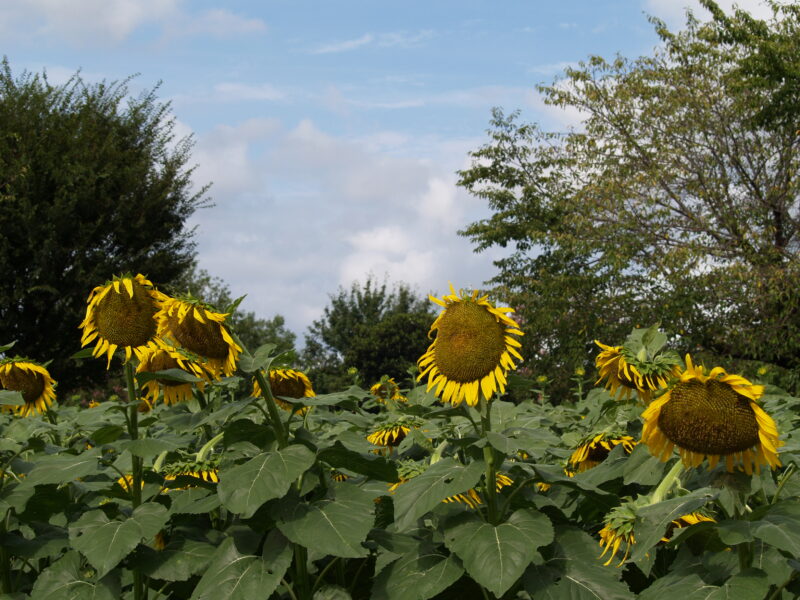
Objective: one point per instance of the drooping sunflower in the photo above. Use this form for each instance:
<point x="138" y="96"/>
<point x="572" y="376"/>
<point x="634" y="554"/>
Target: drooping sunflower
<point x="289" y="384"/>
<point x="594" y="450"/>
<point x="208" y="475"/>
<point x="686" y="521"/>
<point x="472" y="351"/>
<point x="389" y="435"/>
<point x="163" y="358"/>
<point x="121" y="314"/>
<point x="471" y="497"/>
<point x="387" y="389"/>
<point x="715" y="416"/>
<point x="32" y="380"/>
<point x="624" y="374"/>
<point x="197" y="328"/>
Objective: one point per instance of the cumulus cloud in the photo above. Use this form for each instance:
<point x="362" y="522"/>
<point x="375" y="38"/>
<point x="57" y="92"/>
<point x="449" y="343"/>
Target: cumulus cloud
<point x="300" y="211"/>
<point x="104" y="22"/>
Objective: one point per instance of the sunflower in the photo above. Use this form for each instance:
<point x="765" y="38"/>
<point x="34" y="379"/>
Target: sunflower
<point x="471" y="497"/>
<point x="389" y="435"/>
<point x="121" y="314"/>
<point x="194" y="326"/>
<point x="339" y="476"/>
<point x="612" y="539"/>
<point x="686" y="521"/>
<point x="595" y="450"/>
<point x="472" y="351"/>
<point x="387" y="389"/>
<point x="289" y="384"/>
<point x="624" y="373"/>
<point x="163" y="358"/>
<point x="713" y="416"/>
<point x="32" y="380"/>
<point x="126" y="482"/>
<point x="209" y="475"/>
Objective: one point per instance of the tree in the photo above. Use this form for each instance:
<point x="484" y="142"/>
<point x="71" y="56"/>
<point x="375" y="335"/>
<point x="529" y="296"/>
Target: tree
<point x="670" y="203"/>
<point x="370" y="327"/>
<point x="92" y="183"/>
<point x="252" y="330"/>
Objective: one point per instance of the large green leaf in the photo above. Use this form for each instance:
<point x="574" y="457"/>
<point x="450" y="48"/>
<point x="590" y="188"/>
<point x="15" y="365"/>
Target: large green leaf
<point x="244" y="488"/>
<point x="64" y="581"/>
<point x="11" y="398"/>
<point x="62" y="468"/>
<point x="176" y="375"/>
<point x="176" y="562"/>
<point x="497" y="556"/>
<point x="260" y="359"/>
<point x="105" y="543"/>
<point x="575" y="572"/>
<point x="235" y="576"/>
<point x="780" y="526"/>
<point x="336" y="527"/>
<point x="148" y="447"/>
<point x="417" y="575"/>
<point x="750" y="584"/>
<point x="424" y="492"/>
<point x="653" y="520"/>
<point x="194" y="501"/>
<point x="375" y="467"/>
<point x="642" y="467"/>
<point x="331" y="592"/>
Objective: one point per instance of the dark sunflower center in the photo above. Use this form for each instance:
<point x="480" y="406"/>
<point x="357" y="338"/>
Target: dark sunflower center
<point x="204" y="339"/>
<point x="161" y="362"/>
<point x="289" y="388"/>
<point x="709" y="417"/>
<point x="30" y="385"/>
<point x="597" y="454"/>
<point x="126" y="321"/>
<point x="469" y="342"/>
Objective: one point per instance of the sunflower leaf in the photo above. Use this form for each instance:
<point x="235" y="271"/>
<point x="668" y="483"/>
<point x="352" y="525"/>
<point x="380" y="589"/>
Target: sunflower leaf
<point x="62" y="468"/>
<point x="497" y="556"/>
<point x="177" y="562"/>
<point x="235" y="576"/>
<point x="260" y="359"/>
<point x="105" y="543"/>
<point x="426" y="491"/>
<point x="780" y="526"/>
<point x="376" y="467"/>
<point x="63" y="580"/>
<point x="7" y="347"/>
<point x="421" y="573"/>
<point x="11" y="398"/>
<point x="175" y="375"/>
<point x="336" y="527"/>
<point x="244" y="488"/>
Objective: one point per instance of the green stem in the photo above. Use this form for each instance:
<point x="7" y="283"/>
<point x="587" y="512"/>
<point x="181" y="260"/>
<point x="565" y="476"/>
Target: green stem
<point x="471" y="420"/>
<point x="139" y="592"/>
<point x="208" y="446"/>
<point x="201" y="400"/>
<point x="323" y="573"/>
<point x="777" y="593"/>
<point x="5" y="561"/>
<point x="301" y="572"/>
<point x="491" y="468"/>
<point x="787" y="474"/>
<point x="288" y="589"/>
<point x="672" y="477"/>
<point x="274" y="415"/>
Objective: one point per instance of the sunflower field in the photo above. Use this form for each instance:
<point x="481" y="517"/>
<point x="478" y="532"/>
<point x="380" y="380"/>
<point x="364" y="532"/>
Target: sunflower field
<point x="218" y="474"/>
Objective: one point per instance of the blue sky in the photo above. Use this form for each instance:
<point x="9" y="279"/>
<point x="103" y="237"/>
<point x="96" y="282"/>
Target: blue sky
<point x="332" y="130"/>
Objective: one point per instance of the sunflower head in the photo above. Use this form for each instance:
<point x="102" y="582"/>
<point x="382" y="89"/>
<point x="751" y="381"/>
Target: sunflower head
<point x="387" y="389"/>
<point x="207" y="470"/>
<point x="686" y="521"/>
<point x="641" y="365"/>
<point x="288" y="383"/>
<point x="594" y="450"/>
<point x="196" y="327"/>
<point x="471" y="497"/>
<point x="166" y="357"/>
<point x="715" y="415"/>
<point x="30" y="379"/>
<point x="618" y="530"/>
<point x="121" y="314"/>
<point x="389" y="435"/>
<point x="472" y="351"/>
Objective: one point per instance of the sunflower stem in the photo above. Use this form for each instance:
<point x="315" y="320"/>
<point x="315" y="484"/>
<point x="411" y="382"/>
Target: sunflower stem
<point x="491" y="469"/>
<point x="787" y="474"/>
<point x="136" y="466"/>
<point x="670" y="479"/>
<point x="301" y="572"/>
<point x="5" y="561"/>
<point x="274" y="415"/>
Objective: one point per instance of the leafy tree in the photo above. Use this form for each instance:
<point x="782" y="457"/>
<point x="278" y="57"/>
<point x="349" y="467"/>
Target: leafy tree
<point x="251" y="330"/>
<point x="377" y="330"/>
<point x="671" y="203"/>
<point x="92" y="183"/>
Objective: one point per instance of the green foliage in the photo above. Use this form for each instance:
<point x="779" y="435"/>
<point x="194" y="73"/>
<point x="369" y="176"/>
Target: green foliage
<point x="370" y="327"/>
<point x="671" y="203"/>
<point x="92" y="183"/>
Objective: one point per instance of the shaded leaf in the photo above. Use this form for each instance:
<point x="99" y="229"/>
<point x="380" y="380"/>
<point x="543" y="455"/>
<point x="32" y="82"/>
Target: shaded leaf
<point x="417" y="575"/>
<point x="62" y="468"/>
<point x="174" y="563"/>
<point x="64" y="581"/>
<point x="376" y="467"/>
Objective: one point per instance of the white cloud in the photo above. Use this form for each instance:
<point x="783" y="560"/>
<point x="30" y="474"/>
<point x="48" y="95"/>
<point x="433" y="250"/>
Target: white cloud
<point x="552" y="68"/>
<point x="383" y="40"/>
<point x="241" y="91"/>
<point x="673" y="12"/>
<point x="222" y="23"/>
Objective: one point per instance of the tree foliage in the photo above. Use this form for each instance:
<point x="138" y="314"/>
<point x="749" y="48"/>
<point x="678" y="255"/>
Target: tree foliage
<point x="252" y="330"/>
<point x="378" y="330"/>
<point x="92" y="183"/>
<point x="674" y="201"/>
